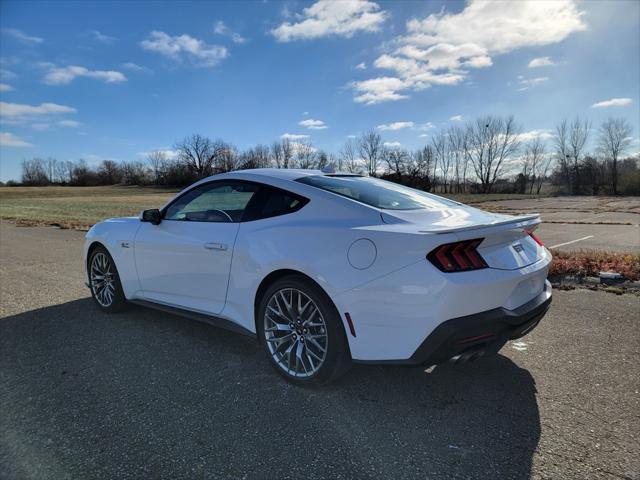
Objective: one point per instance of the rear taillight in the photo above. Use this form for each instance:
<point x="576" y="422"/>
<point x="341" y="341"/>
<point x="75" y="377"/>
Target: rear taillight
<point x="458" y="256"/>
<point x="535" y="237"/>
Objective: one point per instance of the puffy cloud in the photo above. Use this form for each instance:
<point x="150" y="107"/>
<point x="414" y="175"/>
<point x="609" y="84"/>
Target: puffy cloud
<point x="293" y="136"/>
<point x="361" y="66"/>
<point x="4" y="87"/>
<point x="10" y="140"/>
<point x="440" y="48"/>
<point x="541" y="62"/>
<point x="312" y="124"/>
<point x="221" y="29"/>
<point x="392" y="144"/>
<point x="612" y="102"/>
<point x="456" y="118"/>
<point x="66" y="75"/>
<point x="21" y="36"/>
<point x="395" y="126"/>
<point x="185" y="46"/>
<point x="330" y="18"/>
<point x="134" y="67"/>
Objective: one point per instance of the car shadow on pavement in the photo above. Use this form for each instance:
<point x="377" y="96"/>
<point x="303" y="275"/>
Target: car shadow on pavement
<point x="147" y="394"/>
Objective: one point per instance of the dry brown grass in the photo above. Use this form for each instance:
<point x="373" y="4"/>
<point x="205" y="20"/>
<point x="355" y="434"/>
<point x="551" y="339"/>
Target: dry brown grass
<point x="592" y="262"/>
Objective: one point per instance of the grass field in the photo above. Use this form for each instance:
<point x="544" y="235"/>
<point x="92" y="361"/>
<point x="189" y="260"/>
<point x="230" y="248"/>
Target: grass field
<point x="81" y="207"/>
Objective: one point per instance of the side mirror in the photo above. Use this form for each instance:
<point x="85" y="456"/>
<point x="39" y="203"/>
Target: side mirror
<point x="152" y="216"/>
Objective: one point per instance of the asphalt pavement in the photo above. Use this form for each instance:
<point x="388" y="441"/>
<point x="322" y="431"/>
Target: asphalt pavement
<point x="149" y="395"/>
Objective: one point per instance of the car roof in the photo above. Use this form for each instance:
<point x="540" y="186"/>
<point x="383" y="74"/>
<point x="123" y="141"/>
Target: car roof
<point x="290" y="174"/>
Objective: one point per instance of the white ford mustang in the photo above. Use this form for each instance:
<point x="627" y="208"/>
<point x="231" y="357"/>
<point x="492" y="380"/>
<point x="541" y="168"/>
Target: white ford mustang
<point x="328" y="269"/>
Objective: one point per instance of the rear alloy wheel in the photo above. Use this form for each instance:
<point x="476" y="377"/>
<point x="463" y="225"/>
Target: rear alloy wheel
<point x="302" y="332"/>
<point x="104" y="281"/>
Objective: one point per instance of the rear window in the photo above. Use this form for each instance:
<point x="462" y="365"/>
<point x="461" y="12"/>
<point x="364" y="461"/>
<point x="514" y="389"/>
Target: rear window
<point x="377" y="193"/>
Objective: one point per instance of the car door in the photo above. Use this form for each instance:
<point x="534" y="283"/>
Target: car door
<point x="184" y="261"/>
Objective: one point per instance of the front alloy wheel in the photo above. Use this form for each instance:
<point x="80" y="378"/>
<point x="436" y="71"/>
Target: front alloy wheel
<point x="104" y="281"/>
<point x="302" y="332"/>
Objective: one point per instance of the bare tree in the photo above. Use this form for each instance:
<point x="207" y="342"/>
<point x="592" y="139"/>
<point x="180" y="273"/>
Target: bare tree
<point x="349" y="157"/>
<point x="197" y="153"/>
<point x="34" y="172"/>
<point x="158" y="162"/>
<point x="282" y="153"/>
<point x="561" y="143"/>
<point x="491" y="141"/>
<point x="304" y="154"/>
<point x="534" y="155"/>
<point x="440" y="143"/>
<point x="578" y="137"/>
<point x="396" y="160"/>
<point x="256" y="157"/>
<point x="370" y="150"/>
<point x="109" y="172"/>
<point x="613" y="140"/>
<point x="457" y="139"/>
<point x="421" y="168"/>
<point x="225" y="157"/>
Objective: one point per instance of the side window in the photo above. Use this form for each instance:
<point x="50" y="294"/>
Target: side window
<point x="272" y="202"/>
<point x="212" y="202"/>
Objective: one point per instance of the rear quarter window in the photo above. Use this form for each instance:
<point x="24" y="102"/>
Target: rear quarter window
<point x="273" y="202"/>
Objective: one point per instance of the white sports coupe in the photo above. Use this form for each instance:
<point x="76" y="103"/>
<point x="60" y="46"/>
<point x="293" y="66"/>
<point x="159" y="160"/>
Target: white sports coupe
<point x="328" y="269"/>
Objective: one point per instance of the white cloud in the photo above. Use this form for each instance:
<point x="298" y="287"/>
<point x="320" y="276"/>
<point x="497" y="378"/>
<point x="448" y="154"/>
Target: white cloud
<point x="16" y="110"/>
<point x="378" y="90"/>
<point x="440" y="48"/>
<point x="423" y="135"/>
<point x="21" y="36"/>
<point x="221" y="29"/>
<point x="361" y="66"/>
<point x="541" y="62"/>
<point x="293" y="136"/>
<point x="69" y="123"/>
<point x="102" y="38"/>
<point x="312" y="124"/>
<point x="612" y="102"/>
<point x="328" y="18"/>
<point x="185" y="46"/>
<point x="134" y="67"/>
<point x="427" y="126"/>
<point x="395" y="126"/>
<point x="541" y="133"/>
<point x="10" y="140"/>
<point x="4" y="87"/>
<point x="66" y="75"/>
<point x="527" y="83"/>
<point x="456" y="118"/>
<point x="392" y="144"/>
<point x="7" y="74"/>
<point x="169" y="153"/>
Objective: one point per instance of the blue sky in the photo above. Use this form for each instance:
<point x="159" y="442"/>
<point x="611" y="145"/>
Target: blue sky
<point x="113" y="80"/>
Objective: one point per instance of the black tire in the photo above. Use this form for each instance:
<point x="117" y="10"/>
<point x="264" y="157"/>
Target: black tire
<point x="337" y="358"/>
<point x="116" y="301"/>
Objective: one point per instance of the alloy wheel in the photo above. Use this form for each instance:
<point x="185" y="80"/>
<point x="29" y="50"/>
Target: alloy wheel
<point x="295" y="332"/>
<point x="103" y="279"/>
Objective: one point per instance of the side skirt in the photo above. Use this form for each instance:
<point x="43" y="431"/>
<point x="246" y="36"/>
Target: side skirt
<point x="197" y="316"/>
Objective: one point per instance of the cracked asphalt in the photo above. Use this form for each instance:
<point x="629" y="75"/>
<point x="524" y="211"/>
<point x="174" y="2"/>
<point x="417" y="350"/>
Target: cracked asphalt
<point x="149" y="395"/>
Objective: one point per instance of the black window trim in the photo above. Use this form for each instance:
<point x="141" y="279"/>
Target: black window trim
<point x="251" y="205"/>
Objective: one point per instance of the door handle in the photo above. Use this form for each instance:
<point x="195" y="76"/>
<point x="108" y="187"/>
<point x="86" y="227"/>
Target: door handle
<point x="215" y="246"/>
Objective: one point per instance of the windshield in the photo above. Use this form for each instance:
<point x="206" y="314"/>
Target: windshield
<point x="377" y="193"/>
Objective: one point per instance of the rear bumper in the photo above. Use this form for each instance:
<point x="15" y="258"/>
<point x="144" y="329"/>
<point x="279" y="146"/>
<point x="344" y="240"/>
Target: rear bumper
<point x="479" y="334"/>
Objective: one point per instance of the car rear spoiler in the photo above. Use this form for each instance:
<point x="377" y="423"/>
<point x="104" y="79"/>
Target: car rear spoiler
<point x="520" y="222"/>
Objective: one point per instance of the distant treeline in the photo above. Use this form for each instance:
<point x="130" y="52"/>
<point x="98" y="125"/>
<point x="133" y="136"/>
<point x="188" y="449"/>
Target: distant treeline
<point x="488" y="154"/>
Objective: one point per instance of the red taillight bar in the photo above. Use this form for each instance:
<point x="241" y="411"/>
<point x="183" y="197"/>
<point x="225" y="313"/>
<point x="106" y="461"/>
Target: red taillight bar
<point x="535" y="237"/>
<point x="458" y="256"/>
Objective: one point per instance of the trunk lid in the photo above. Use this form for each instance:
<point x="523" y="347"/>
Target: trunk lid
<point x="506" y="243"/>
